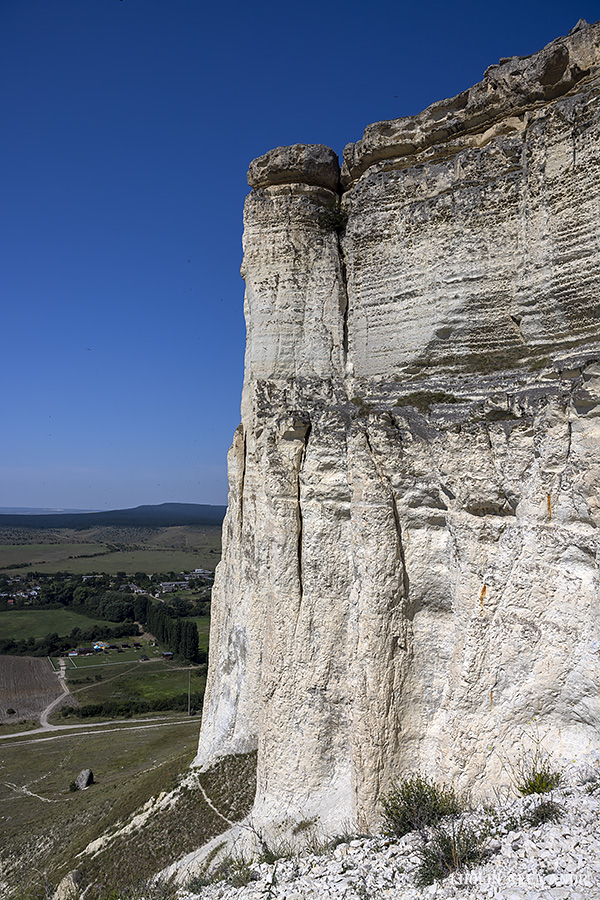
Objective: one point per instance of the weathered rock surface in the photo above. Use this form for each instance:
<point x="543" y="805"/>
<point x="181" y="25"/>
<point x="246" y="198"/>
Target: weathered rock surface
<point x="411" y="558"/>
<point x="69" y="887"/>
<point x="487" y="110"/>
<point x="300" y="163"/>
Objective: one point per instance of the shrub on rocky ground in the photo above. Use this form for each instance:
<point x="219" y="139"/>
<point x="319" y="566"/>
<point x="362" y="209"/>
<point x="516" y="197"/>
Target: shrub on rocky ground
<point x="589" y="777"/>
<point x="448" y="850"/>
<point x="143" y="890"/>
<point x="540" y="778"/>
<point x="544" y="811"/>
<point x="416" y="803"/>
<point x="235" y="870"/>
<point x="536" y="772"/>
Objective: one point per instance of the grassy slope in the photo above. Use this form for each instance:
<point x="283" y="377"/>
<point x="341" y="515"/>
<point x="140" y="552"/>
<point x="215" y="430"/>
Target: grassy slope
<point x="184" y="827"/>
<point x="46" y="830"/>
<point x="44" y="833"/>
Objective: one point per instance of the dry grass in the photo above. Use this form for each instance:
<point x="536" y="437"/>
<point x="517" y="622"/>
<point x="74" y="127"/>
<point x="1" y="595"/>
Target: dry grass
<point x="180" y="828"/>
<point x="44" y="827"/>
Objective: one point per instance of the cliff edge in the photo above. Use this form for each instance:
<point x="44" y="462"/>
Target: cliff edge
<point x="411" y="557"/>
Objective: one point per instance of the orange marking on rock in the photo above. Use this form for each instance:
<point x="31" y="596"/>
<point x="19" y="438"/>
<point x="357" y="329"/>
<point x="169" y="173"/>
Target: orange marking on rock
<point x="482" y="595"/>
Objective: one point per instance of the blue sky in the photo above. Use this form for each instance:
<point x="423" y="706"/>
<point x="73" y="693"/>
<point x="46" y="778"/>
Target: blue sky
<point x="128" y="126"/>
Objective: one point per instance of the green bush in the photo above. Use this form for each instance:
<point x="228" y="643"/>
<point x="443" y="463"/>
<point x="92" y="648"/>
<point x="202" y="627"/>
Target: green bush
<point x="536" y="772"/>
<point x="417" y="803"/>
<point x="538" y="777"/>
<point x="545" y="811"/>
<point x="448" y="850"/>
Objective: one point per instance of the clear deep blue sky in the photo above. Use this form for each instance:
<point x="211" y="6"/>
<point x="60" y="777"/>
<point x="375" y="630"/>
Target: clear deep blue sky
<point x="128" y="126"/>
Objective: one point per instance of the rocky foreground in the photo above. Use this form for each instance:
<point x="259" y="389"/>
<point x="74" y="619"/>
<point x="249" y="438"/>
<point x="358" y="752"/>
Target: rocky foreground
<point x="554" y="861"/>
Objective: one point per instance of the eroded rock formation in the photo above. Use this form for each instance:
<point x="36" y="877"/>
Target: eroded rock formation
<point x="411" y="555"/>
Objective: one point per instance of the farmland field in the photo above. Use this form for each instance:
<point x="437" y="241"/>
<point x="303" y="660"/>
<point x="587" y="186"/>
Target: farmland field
<point x="127" y="549"/>
<point x="113" y="657"/>
<point x="149" y="561"/>
<point x="37" y="623"/>
<point x="27" y="685"/>
<point x="17" y="554"/>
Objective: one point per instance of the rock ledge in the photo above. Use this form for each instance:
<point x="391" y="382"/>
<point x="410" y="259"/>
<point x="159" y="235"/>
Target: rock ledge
<point x="301" y="163"/>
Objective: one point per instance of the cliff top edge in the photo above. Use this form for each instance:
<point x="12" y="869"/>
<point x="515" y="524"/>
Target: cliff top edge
<point x="508" y="88"/>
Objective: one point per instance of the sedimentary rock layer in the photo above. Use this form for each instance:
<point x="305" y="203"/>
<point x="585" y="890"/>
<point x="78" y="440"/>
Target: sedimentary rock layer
<point x="411" y="558"/>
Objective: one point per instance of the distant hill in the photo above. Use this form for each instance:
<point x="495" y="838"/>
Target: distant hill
<point x="161" y="516"/>
<point x="38" y="511"/>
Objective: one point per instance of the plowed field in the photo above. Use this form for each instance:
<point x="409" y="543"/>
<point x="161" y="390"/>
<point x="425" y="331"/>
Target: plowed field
<point x="27" y="685"/>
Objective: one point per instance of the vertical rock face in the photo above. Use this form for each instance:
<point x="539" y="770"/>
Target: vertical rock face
<point x="411" y="557"/>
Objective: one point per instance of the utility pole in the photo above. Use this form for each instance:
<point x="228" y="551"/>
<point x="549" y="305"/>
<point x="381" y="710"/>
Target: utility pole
<point x="189" y="692"/>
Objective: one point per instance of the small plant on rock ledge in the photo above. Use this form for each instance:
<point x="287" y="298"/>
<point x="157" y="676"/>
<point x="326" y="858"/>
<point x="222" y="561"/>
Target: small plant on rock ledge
<point x="540" y="780"/>
<point x="536" y="773"/>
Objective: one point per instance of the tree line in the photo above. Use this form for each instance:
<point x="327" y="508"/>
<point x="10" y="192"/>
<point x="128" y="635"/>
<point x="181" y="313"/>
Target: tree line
<point x="53" y="645"/>
<point x="180" y="635"/>
<point x="133" y="707"/>
<point x="107" y="597"/>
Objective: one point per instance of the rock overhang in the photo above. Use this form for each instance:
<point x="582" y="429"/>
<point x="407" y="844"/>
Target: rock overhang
<point x="509" y="88"/>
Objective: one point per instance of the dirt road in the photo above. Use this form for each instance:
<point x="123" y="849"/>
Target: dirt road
<point x="56" y="731"/>
<point x="45" y="713"/>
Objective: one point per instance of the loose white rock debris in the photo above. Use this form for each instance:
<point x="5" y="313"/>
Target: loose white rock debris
<point x="554" y="861"/>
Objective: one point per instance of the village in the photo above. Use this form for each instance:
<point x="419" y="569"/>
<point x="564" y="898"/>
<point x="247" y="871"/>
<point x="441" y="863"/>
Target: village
<point x="20" y="590"/>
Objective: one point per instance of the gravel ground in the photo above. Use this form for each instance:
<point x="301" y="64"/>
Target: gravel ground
<point x="554" y="861"/>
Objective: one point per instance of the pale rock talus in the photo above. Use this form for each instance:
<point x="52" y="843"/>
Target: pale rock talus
<point x="411" y="557"/>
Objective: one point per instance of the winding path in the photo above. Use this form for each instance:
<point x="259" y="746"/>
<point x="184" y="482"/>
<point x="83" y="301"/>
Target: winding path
<point x="45" y="713"/>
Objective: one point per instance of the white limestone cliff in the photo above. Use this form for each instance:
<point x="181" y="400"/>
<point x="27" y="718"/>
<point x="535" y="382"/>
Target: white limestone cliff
<point x="410" y="569"/>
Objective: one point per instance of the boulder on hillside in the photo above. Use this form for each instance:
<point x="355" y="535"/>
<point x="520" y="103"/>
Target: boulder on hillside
<point x="84" y="779"/>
